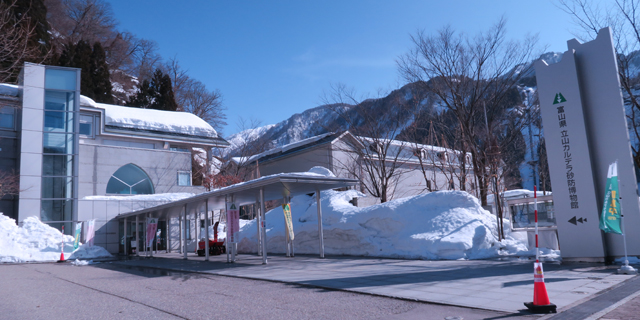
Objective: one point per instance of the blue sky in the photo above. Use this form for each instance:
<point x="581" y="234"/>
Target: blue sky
<point x="271" y="59"/>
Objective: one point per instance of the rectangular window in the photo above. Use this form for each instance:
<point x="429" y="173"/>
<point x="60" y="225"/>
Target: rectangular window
<point x="179" y="148"/>
<point x="57" y="187"/>
<point x="86" y="126"/>
<point x="60" y="79"/>
<point x="7" y="117"/>
<point x="58" y="143"/>
<point x="184" y="178"/>
<point x="56" y="210"/>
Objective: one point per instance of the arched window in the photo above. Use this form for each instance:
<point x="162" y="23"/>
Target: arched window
<point x="130" y="179"/>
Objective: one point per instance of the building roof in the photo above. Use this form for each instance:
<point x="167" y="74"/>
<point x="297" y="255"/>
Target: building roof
<point x="151" y="121"/>
<point x="289" y="148"/>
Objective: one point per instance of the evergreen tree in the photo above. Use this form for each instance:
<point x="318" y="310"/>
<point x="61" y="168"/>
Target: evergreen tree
<point x="155" y="94"/>
<point x="100" y="75"/>
<point x="94" y="77"/>
<point x="79" y="56"/>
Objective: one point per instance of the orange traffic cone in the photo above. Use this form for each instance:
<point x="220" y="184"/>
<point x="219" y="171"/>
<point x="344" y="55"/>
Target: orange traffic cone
<point x="541" y="303"/>
<point x="62" y="247"/>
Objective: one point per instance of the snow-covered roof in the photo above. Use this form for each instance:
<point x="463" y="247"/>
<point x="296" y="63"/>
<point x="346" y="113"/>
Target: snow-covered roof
<point x="153" y="120"/>
<point x="9" y="90"/>
<point x="282" y="149"/>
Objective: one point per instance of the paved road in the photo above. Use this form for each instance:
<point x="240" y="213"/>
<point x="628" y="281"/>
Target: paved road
<point x="110" y="291"/>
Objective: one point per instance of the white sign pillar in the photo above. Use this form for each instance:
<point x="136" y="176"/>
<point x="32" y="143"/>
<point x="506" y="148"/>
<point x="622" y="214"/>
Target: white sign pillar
<point x="585" y="130"/>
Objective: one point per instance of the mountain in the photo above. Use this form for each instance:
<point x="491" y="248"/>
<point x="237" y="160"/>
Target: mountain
<point x="330" y="118"/>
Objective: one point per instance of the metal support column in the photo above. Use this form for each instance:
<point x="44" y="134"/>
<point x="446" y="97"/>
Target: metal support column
<point x="168" y="235"/>
<point x="137" y="236"/>
<point x="226" y="241"/>
<point x="263" y="226"/>
<point x="206" y="230"/>
<point x="153" y="236"/>
<point x="256" y="206"/>
<point x="126" y="253"/>
<point x="180" y="226"/>
<point x="184" y="223"/>
<point x="320" y="231"/>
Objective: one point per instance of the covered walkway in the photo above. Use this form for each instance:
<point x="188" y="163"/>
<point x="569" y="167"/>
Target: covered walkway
<point x="282" y="186"/>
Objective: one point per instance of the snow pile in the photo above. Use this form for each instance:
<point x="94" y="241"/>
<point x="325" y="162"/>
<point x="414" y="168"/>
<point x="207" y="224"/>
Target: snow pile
<point x="159" y="197"/>
<point x="156" y="120"/>
<point x="81" y="262"/>
<point x="36" y="241"/>
<point x="438" y="225"/>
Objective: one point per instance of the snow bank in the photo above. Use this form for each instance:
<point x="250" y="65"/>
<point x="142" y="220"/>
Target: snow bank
<point x="36" y="241"/>
<point x="438" y="225"/>
<point x="157" y="120"/>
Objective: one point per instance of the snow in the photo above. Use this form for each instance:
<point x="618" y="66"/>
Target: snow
<point x="9" y="89"/>
<point x="437" y="225"/>
<point x="167" y="197"/>
<point x="36" y="241"/>
<point x="157" y="120"/>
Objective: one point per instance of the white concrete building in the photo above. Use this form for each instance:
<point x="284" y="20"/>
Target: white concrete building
<point x="68" y="149"/>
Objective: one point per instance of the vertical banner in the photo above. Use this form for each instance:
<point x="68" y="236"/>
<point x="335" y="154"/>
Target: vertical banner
<point x="76" y="242"/>
<point x="233" y="223"/>
<point x="90" y="232"/>
<point x="610" y="216"/>
<point x="287" y="217"/>
<point x="152" y="226"/>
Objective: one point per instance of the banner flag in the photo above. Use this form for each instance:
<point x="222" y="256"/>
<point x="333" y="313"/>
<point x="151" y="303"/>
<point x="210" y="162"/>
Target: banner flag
<point x="152" y="225"/>
<point x="286" y="207"/>
<point x="90" y="232"/>
<point x="610" y="217"/>
<point x="76" y="243"/>
<point x="233" y="223"/>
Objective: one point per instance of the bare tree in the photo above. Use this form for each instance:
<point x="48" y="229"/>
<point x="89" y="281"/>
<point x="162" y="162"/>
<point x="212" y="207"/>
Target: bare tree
<point x="15" y="49"/>
<point x="623" y="16"/>
<point x="473" y="78"/>
<point x="193" y="96"/>
<point x="9" y="184"/>
<point x="75" y="20"/>
<point x="374" y="156"/>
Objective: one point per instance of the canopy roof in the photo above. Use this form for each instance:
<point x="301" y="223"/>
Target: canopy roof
<point x="275" y="187"/>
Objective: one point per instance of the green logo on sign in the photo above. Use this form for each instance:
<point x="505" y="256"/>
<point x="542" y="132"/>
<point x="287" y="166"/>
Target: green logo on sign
<point x="233" y="206"/>
<point x="559" y="98"/>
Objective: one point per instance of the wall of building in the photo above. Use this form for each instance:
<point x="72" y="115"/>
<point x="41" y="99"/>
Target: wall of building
<point x="99" y="162"/>
<point x="300" y="161"/>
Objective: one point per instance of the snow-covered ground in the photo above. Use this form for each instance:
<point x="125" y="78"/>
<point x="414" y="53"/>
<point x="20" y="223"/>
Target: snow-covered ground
<point x="438" y="225"/>
<point x="36" y="241"/>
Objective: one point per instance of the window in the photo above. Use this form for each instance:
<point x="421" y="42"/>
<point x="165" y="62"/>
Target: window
<point x="130" y="179"/>
<point x="7" y="117"/>
<point x="179" y="148"/>
<point x="184" y="178"/>
<point x="86" y="126"/>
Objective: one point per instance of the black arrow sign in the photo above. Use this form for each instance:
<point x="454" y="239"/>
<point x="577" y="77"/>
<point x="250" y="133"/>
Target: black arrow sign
<point x="575" y="221"/>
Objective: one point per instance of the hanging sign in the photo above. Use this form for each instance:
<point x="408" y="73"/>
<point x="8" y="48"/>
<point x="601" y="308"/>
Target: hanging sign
<point x="90" y="232"/>
<point x="233" y="223"/>
<point x="152" y="225"/>
<point x="287" y="218"/>
<point x="610" y="217"/>
<point x="76" y="242"/>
